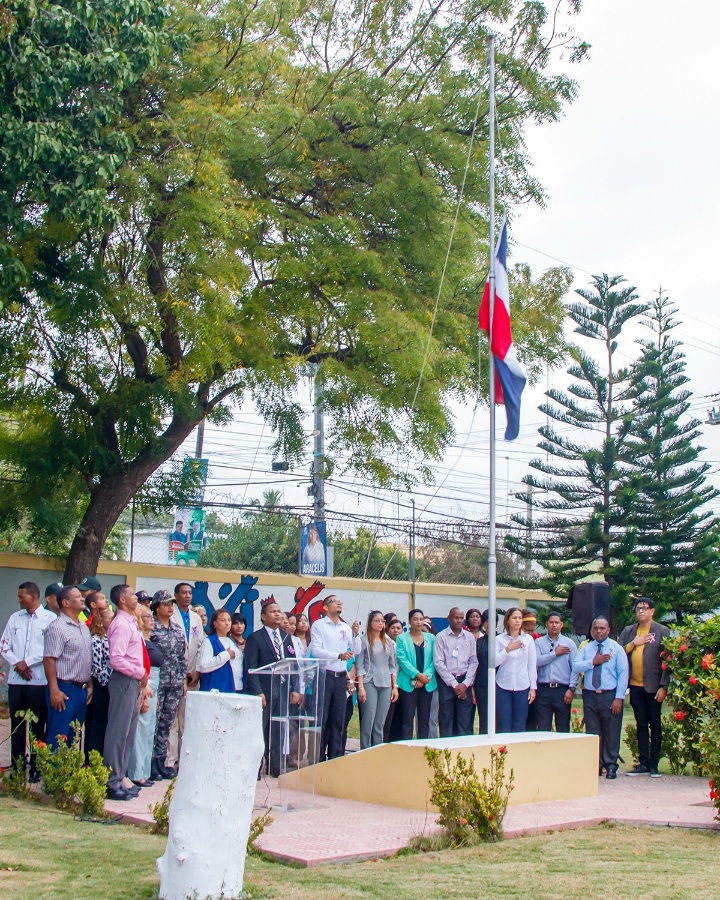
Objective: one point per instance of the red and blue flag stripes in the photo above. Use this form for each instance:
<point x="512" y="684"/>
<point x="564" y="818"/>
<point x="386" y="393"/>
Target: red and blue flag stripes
<point x="510" y="378"/>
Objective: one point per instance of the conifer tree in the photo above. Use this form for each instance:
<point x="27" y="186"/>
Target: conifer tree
<point x="677" y="535"/>
<point x="582" y="486"/>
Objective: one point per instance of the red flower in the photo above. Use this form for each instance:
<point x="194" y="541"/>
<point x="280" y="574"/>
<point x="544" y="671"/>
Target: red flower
<point x="707" y="660"/>
<point x="711" y="783"/>
<point x="714" y="795"/>
<point x="663" y="665"/>
<point x="463" y="821"/>
<point x="679" y="715"/>
<point x="62" y="737"/>
<point x="693" y="679"/>
<point x="502" y="749"/>
<point x="491" y="817"/>
<point x="682" y="647"/>
<point x="40" y="745"/>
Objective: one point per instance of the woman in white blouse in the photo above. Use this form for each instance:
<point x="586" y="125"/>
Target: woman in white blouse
<point x="516" y="677"/>
<point x="221" y="660"/>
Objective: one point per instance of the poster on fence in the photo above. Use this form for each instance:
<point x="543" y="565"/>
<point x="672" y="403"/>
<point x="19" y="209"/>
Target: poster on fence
<point x="187" y="536"/>
<point x="313" y="549"/>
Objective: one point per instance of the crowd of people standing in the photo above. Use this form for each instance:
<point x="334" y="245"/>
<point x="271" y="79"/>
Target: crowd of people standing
<point x="122" y="667"/>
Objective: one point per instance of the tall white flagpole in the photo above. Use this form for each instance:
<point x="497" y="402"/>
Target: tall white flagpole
<point x="492" y="558"/>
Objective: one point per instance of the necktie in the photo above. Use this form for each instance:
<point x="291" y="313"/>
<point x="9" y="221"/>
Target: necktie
<point x="596" y="669"/>
<point x="276" y="642"/>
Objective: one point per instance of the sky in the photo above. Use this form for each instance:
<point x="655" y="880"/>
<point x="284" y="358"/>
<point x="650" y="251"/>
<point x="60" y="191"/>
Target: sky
<point x="632" y="190"/>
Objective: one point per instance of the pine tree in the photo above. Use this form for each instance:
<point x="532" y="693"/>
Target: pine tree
<point x="677" y="536"/>
<point x="582" y="488"/>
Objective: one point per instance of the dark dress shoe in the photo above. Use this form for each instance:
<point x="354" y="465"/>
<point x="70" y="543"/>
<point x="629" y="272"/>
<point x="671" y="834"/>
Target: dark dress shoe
<point x="156" y="770"/>
<point x="168" y="773"/>
<point x="612" y="772"/>
<point x="119" y="794"/>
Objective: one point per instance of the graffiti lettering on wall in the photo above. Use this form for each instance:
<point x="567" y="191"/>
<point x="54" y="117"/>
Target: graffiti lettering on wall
<point x="244" y="599"/>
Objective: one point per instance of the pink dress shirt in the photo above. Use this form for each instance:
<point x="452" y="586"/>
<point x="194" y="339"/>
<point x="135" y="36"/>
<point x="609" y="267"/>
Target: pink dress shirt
<point x="126" y="645"/>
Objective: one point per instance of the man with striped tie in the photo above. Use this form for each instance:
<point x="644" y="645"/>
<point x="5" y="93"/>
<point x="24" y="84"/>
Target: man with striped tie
<point x="603" y="662"/>
<point x="263" y="647"/>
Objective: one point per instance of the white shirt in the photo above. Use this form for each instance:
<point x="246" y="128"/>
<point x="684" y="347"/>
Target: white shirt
<point x="329" y="640"/>
<point x="516" y="670"/>
<point x="209" y="662"/>
<point x="280" y="635"/>
<point x="24" y="641"/>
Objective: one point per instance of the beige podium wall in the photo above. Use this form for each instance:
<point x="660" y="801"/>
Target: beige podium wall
<point x="546" y="765"/>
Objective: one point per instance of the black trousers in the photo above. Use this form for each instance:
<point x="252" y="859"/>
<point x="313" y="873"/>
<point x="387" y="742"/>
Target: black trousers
<point x="481" y="702"/>
<point x="415" y="702"/>
<point x="334" y="712"/>
<point x="96" y="719"/>
<point x="20" y="698"/>
<point x="454" y="714"/>
<point x="648" y="718"/>
<point x="549" y="702"/>
<point x="600" y="720"/>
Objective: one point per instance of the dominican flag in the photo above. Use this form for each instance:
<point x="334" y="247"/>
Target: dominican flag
<point x="510" y="379"/>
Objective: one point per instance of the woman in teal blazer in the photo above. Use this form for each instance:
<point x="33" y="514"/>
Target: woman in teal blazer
<point x="416" y="678"/>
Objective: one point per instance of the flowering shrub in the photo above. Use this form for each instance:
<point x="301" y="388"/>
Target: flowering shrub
<point x="692" y="655"/>
<point x="161" y="811"/>
<point x="674" y="747"/>
<point x="472" y="807"/>
<point x="67" y="779"/>
<point x="577" y="723"/>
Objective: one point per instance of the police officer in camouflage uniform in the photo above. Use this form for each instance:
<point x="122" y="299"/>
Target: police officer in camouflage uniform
<point x="173" y="682"/>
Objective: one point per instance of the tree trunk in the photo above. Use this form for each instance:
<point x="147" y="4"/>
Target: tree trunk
<point x="111" y="496"/>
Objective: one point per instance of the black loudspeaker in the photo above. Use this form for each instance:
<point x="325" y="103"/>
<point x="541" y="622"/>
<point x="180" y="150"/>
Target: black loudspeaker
<point x="587" y="600"/>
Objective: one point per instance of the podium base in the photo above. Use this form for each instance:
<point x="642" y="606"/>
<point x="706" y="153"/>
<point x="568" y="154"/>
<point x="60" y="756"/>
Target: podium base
<point x="546" y="765"/>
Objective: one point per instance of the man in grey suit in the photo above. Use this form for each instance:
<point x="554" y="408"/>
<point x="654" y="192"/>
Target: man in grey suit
<point x="643" y="643"/>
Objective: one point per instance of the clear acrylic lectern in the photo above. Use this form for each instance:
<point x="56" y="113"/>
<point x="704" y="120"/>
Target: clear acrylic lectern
<point x="292" y="718"/>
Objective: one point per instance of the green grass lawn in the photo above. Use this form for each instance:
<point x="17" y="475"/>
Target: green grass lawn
<point x="47" y="854"/>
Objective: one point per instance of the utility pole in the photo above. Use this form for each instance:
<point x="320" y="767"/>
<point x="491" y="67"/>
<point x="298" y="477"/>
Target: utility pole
<point x="317" y="470"/>
<point x="412" y="555"/>
<point x="199" y="439"/>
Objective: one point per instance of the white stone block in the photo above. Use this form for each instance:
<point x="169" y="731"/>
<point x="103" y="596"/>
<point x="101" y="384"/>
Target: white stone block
<point x="211" y="809"/>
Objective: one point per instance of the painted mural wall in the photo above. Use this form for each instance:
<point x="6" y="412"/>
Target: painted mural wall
<point x="244" y="592"/>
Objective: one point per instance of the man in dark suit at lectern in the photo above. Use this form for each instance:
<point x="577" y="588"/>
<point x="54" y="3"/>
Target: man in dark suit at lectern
<point x="263" y="647"/>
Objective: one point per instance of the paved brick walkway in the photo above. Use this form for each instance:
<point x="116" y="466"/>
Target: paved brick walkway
<point x="316" y="830"/>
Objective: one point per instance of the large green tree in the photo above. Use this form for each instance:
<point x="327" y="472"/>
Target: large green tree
<point x="581" y="491"/>
<point x="283" y="192"/>
<point x="677" y="535"/>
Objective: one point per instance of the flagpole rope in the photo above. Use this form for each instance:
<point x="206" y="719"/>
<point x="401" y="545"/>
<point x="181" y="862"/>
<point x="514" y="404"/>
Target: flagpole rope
<point x="447" y="255"/>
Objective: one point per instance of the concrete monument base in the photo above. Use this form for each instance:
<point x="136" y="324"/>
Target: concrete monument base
<point x="211" y="808"/>
<point x="547" y="766"/>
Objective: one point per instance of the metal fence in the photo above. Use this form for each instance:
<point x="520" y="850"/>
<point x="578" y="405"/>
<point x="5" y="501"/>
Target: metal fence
<point x="451" y="551"/>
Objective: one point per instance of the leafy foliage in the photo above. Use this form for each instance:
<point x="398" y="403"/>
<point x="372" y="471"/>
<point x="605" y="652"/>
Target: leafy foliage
<point x="677" y="538"/>
<point x="262" y="191"/>
<point x="161" y="810"/>
<point x="582" y="486"/>
<point x="264" y="540"/>
<point x="359" y="555"/>
<point x="66" y="777"/>
<point x="692" y="654"/>
<point x="472" y="807"/>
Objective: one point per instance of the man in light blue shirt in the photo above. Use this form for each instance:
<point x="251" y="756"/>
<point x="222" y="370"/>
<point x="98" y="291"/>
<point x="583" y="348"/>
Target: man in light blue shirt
<point x="556" y="680"/>
<point x="604" y="665"/>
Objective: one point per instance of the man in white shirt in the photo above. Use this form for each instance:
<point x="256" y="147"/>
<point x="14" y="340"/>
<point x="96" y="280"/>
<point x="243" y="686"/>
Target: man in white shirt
<point x="22" y="645"/>
<point x="332" y="642"/>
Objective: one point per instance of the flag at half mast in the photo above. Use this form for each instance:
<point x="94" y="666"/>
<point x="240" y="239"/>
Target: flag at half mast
<point x="510" y="378"/>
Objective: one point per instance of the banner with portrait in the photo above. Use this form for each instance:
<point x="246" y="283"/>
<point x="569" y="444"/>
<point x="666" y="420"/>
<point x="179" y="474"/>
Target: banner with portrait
<point x="313" y="549"/>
